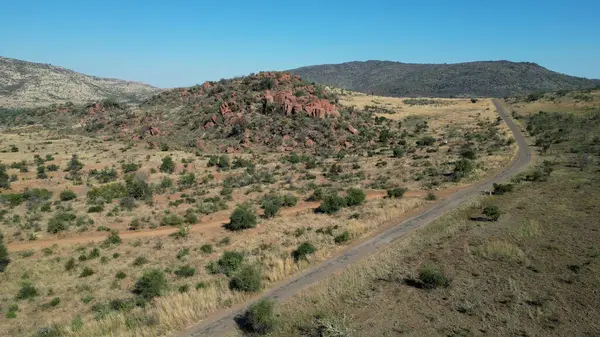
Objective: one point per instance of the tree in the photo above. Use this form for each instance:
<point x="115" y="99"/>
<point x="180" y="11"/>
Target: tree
<point x="260" y="317"/>
<point x="248" y="279"/>
<point x="332" y="203"/>
<point x="4" y="260"/>
<point x="167" y="166"/>
<point x="151" y="284"/>
<point x="243" y="217"/>
<point x="355" y="196"/>
<point x="4" y="178"/>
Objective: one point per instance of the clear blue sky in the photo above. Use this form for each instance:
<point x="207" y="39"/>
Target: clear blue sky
<point x="180" y="43"/>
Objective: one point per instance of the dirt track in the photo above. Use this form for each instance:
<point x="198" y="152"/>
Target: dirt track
<point x="222" y="322"/>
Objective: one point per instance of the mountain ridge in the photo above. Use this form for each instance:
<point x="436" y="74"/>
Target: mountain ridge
<point x="30" y="84"/>
<point x="479" y="78"/>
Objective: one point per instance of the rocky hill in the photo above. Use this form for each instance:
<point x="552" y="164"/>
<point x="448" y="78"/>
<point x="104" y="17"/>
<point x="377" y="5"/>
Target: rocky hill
<point x="28" y="84"/>
<point x="489" y="78"/>
<point x="269" y="110"/>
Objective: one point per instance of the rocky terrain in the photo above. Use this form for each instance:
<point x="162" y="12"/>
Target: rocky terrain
<point x="28" y="84"/>
<point x="483" y="79"/>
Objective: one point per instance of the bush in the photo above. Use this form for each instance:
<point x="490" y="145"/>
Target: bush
<point x="468" y="153"/>
<point x="120" y="275"/>
<point x="137" y="187"/>
<point x="345" y="236"/>
<point x="67" y="195"/>
<point x="331" y="204"/>
<point x="290" y="200"/>
<point x="185" y="271"/>
<point x="303" y="250"/>
<point x="432" y="277"/>
<point x="113" y="238"/>
<point x="206" y="248"/>
<point x="27" y="291"/>
<point x="4" y="260"/>
<point x="140" y="260"/>
<point x="130" y="167"/>
<point x="462" y="168"/>
<point x="190" y="217"/>
<point x="127" y="203"/>
<point x="95" y="209"/>
<point x="426" y="141"/>
<point x="260" y="317"/>
<point x="355" y="196"/>
<point x="4" y="178"/>
<point x="430" y="196"/>
<point x="87" y="271"/>
<point x="187" y="180"/>
<point x="229" y="262"/>
<point x="492" y="212"/>
<point x="399" y="152"/>
<point x="270" y="208"/>
<point x="243" y="217"/>
<point x="247" y="279"/>
<point x="167" y="166"/>
<point x="52" y="167"/>
<point x="223" y="162"/>
<point x="151" y="284"/>
<point x="500" y="189"/>
<point x="70" y="264"/>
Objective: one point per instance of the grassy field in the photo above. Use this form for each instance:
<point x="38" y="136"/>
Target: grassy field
<point x="534" y="271"/>
<point x="78" y="258"/>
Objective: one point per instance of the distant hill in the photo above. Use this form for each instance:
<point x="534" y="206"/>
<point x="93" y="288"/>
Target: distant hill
<point x="487" y="78"/>
<point x="28" y="84"/>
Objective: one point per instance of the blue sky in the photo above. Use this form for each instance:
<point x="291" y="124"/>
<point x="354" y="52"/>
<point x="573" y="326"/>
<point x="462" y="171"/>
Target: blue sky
<point x="181" y="43"/>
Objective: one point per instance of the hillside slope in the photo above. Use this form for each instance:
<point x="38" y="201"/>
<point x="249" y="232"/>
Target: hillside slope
<point x="489" y="78"/>
<point x="28" y="84"/>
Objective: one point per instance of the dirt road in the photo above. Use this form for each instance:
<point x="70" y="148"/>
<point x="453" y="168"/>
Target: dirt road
<point x="222" y="322"/>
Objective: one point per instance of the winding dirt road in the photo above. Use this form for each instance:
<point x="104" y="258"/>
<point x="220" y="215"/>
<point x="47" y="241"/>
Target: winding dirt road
<point x="222" y="322"/>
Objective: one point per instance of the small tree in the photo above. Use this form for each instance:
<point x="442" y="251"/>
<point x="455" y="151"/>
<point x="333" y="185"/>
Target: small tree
<point x="67" y="195"/>
<point x="260" y="317"/>
<point x="151" y="284"/>
<point x="248" y="279"/>
<point x="4" y="178"/>
<point x="229" y="263"/>
<point x="243" y="217"/>
<point x="355" y="196"/>
<point x="167" y="166"/>
<point x="332" y="203"/>
<point x="492" y="212"/>
<point x="4" y="260"/>
<point x="303" y="250"/>
<point x="397" y="192"/>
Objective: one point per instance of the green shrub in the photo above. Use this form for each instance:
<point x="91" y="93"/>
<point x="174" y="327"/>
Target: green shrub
<point x="462" y="168"/>
<point x="120" y="275"/>
<point x="151" y="284"/>
<point x="140" y="260"/>
<point x="113" y="238"/>
<point x="397" y="192"/>
<point x="95" y="209"/>
<point x="70" y="264"/>
<point x="27" y="291"/>
<point x="54" y="302"/>
<point x="67" y="195"/>
<point x="107" y="192"/>
<point x="87" y="271"/>
<point x="304" y="249"/>
<point x="127" y="203"/>
<point x="426" y="141"/>
<point x="290" y="200"/>
<point x="399" y="152"/>
<point x="332" y="203"/>
<point x="206" y="248"/>
<point x="223" y="162"/>
<point x="187" y="180"/>
<point x="182" y="253"/>
<point x="94" y="253"/>
<point x="492" y="212"/>
<point x="431" y="277"/>
<point x="243" y="217"/>
<point x="468" y="153"/>
<point x="355" y="196"/>
<point x="137" y="187"/>
<point x="247" y="279"/>
<point x="171" y="220"/>
<point x="229" y="263"/>
<point x="500" y="189"/>
<point x="52" y="168"/>
<point x="271" y="205"/>
<point x="185" y="271"/>
<point x="130" y="167"/>
<point x="4" y="259"/>
<point x="259" y="318"/>
<point x="345" y="236"/>
<point x="431" y="196"/>
<point x="167" y="165"/>
<point x="190" y="217"/>
<point x="105" y="175"/>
